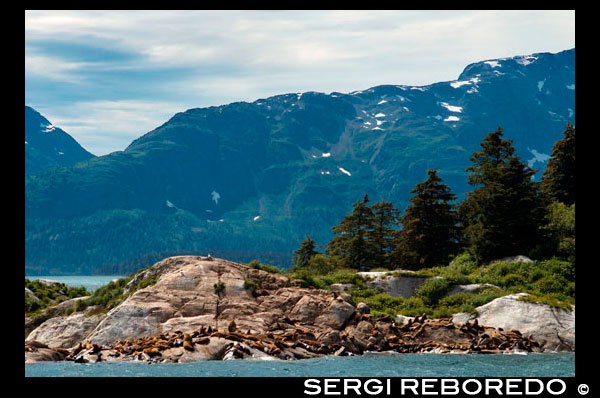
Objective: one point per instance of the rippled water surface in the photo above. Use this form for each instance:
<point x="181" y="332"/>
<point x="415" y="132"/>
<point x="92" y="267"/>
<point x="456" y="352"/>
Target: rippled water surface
<point x="373" y="365"/>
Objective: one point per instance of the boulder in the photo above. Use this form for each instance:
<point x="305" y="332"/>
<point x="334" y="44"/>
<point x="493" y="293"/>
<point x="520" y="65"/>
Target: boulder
<point x="30" y="294"/>
<point x="471" y="288"/>
<point x="363" y="308"/>
<point x="341" y="287"/>
<point x="404" y="286"/>
<point x="65" y="331"/>
<point x="184" y="299"/>
<point x="403" y="320"/>
<point x="514" y="259"/>
<point x="553" y="328"/>
<point x="336" y="315"/>
<point x="56" y="310"/>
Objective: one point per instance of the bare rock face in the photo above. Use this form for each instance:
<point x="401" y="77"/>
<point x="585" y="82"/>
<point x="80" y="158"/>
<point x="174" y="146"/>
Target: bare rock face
<point x="471" y="288"/>
<point x="404" y="286"/>
<point x="31" y="323"/>
<point x="184" y="299"/>
<point x="36" y="352"/>
<point x="65" y="331"/>
<point x="186" y="317"/>
<point x="553" y="328"/>
<point x="30" y="294"/>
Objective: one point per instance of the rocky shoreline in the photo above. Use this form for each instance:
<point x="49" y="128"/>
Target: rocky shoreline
<point x="297" y="342"/>
<point x="261" y="315"/>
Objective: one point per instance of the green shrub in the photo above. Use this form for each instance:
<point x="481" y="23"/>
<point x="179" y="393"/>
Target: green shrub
<point x="433" y="290"/>
<point x="250" y="285"/>
<point x="265" y="267"/>
<point x="80" y="305"/>
<point x="50" y="294"/>
<point x="148" y="282"/>
<point x="32" y="304"/>
<point x="551" y="300"/>
<point x="308" y="280"/>
<point x="512" y="280"/>
<point x="107" y="296"/>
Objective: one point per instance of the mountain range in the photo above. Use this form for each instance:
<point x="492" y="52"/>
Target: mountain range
<point x="48" y="146"/>
<point x="254" y="178"/>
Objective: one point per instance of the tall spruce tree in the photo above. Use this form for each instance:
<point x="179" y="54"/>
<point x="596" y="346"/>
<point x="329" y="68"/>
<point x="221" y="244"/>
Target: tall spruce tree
<point x="558" y="180"/>
<point x="505" y="213"/>
<point x="381" y="238"/>
<point x="429" y="234"/>
<point x="305" y="252"/>
<point x="351" y="242"/>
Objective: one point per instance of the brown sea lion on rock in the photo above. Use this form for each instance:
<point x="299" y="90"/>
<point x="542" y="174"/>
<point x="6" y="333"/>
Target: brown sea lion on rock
<point x="232" y="326"/>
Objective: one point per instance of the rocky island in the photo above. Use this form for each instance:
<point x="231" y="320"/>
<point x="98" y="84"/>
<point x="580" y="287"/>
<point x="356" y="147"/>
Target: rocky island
<point x="201" y="308"/>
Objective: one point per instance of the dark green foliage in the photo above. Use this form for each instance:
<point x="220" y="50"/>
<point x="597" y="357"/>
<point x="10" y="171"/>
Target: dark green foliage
<point x="219" y="289"/>
<point x="265" y="267"/>
<point x="381" y="238"/>
<point x="433" y="290"/>
<point x="324" y="280"/>
<point x="504" y="214"/>
<point x="539" y="277"/>
<point x="305" y="253"/>
<point x="558" y="180"/>
<point x="250" y="285"/>
<point x="560" y="226"/>
<point x="321" y="264"/>
<point x="50" y="294"/>
<point x="32" y="304"/>
<point x="265" y="155"/>
<point x="351" y="241"/>
<point x="107" y="296"/>
<point x="147" y="282"/>
<point x="429" y="234"/>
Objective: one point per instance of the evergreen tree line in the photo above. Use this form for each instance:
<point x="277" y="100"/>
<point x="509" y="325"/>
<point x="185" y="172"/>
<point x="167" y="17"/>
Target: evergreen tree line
<point x="507" y="213"/>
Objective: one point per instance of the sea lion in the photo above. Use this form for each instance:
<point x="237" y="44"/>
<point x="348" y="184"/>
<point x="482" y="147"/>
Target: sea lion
<point x="232" y="326"/>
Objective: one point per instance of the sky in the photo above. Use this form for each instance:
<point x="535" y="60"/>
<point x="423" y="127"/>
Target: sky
<point x="108" y="77"/>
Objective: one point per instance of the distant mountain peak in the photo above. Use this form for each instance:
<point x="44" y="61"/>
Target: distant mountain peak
<point x="47" y="145"/>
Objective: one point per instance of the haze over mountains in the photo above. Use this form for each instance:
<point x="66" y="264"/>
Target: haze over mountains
<point x="256" y="177"/>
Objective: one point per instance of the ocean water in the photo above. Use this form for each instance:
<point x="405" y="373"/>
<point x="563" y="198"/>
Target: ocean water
<point x="91" y="282"/>
<point x="369" y="365"/>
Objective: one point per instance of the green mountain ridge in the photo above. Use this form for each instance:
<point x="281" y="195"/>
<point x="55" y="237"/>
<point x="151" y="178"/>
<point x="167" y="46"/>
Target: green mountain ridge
<point x="256" y="177"/>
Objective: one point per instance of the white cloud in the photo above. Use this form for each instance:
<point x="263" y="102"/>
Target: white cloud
<point x="102" y="127"/>
<point x="189" y="59"/>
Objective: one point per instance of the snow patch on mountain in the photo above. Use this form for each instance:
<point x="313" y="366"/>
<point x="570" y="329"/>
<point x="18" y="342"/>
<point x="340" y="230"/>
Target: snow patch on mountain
<point x="493" y="64"/>
<point x="540" y="85"/>
<point x="215" y="196"/>
<point x="451" y="119"/>
<point x="451" y="108"/>
<point x="344" y="171"/>
<point x="525" y="59"/>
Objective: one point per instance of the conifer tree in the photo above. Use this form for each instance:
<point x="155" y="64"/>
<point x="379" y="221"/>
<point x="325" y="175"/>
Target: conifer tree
<point x="351" y="242"/>
<point x="305" y="253"/>
<point x="429" y="234"/>
<point x="381" y="238"/>
<point x="504" y="214"/>
<point x="558" y="180"/>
